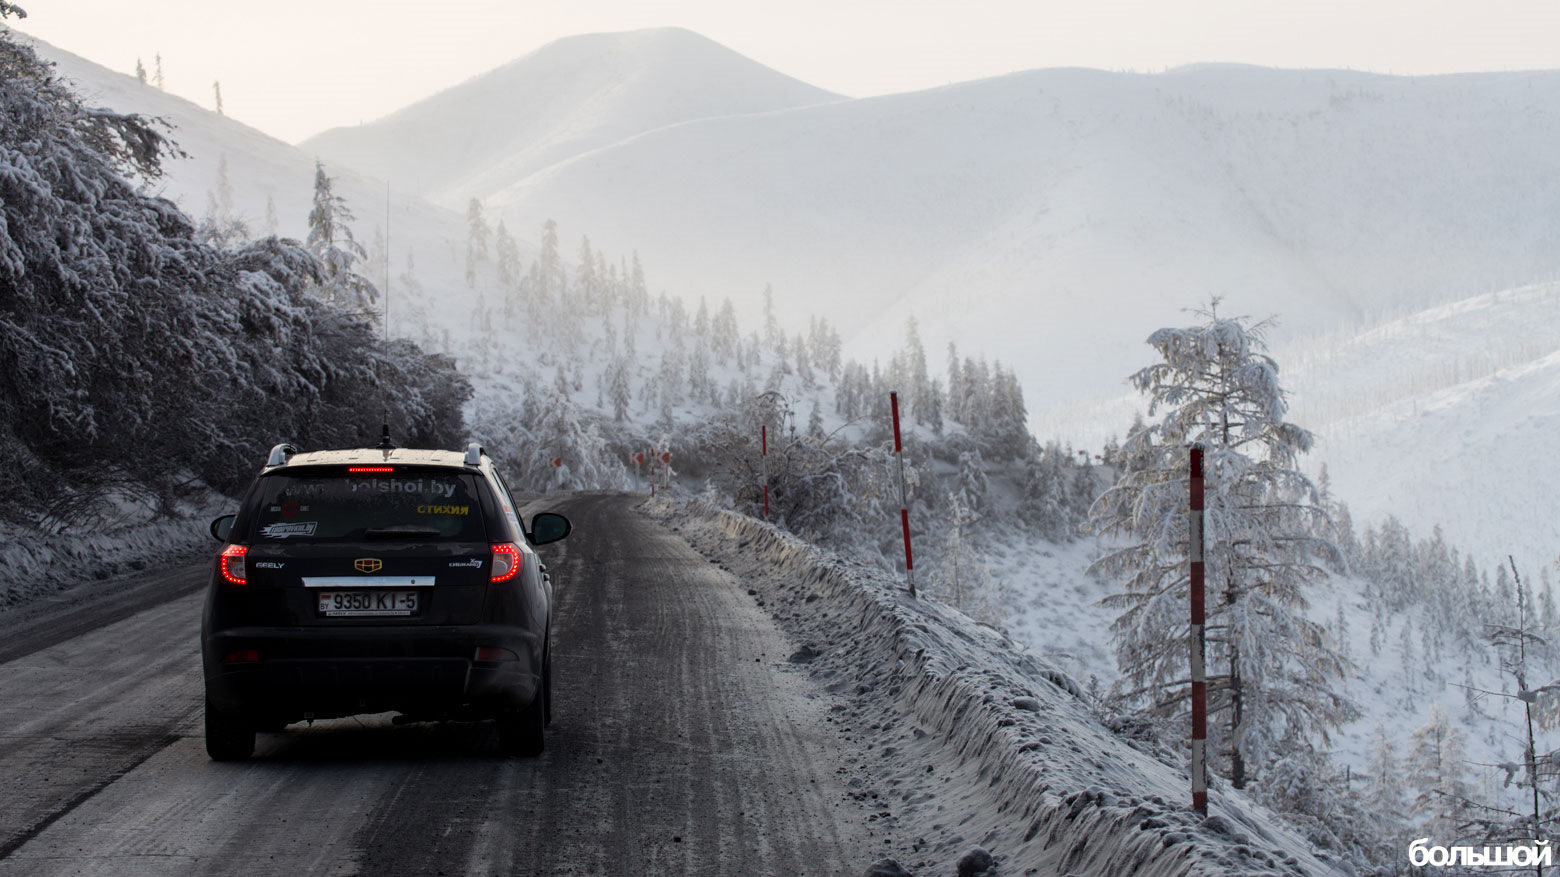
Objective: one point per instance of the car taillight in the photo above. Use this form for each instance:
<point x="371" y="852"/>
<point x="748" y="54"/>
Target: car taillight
<point x="506" y="562"/>
<point x="233" y="568"/>
<point x="242" y="656"/>
<point x="493" y="653"/>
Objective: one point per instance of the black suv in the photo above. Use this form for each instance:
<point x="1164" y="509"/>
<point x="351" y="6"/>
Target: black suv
<point x="377" y="580"/>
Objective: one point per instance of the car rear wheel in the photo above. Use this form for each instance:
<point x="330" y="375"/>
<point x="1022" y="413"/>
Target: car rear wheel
<point x="547" y="685"/>
<point x="520" y="733"/>
<point x="228" y="737"/>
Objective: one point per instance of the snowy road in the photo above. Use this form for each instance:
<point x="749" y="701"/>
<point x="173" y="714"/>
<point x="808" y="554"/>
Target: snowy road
<point x="683" y="743"/>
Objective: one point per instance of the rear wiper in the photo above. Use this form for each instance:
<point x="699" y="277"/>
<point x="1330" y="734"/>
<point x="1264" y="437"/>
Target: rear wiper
<point x="399" y="532"/>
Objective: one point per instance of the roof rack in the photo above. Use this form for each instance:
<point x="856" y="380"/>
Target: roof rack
<point x="474" y="454"/>
<point x="279" y="455"/>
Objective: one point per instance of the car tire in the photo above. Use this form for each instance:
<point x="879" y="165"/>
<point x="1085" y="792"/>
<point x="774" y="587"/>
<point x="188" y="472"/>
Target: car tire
<point x="521" y="732"/>
<point x="229" y="737"/>
<point x="547" y="684"/>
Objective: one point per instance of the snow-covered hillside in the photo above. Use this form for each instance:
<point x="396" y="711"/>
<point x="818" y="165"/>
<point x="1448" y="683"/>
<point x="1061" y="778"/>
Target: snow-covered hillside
<point x="1444" y="416"/>
<point x="1447" y="416"/>
<point x="560" y="101"/>
<point x="1052" y="213"/>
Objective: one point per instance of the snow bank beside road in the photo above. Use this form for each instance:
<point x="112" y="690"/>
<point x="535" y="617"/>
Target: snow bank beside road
<point x="975" y="740"/>
<point x="33" y="564"/>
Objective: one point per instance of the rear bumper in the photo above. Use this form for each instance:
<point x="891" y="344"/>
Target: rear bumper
<point x="292" y="673"/>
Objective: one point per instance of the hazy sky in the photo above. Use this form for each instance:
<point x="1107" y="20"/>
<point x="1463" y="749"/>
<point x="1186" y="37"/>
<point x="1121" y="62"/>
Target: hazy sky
<point x="295" y="67"/>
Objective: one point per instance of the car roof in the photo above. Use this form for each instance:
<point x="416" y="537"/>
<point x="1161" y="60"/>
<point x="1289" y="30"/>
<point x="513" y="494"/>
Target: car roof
<point x="375" y="457"/>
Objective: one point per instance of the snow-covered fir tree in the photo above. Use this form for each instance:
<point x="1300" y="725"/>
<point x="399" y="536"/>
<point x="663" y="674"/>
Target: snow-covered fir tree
<point x="330" y="240"/>
<point x="1273" y="672"/>
<point x="476" y="240"/>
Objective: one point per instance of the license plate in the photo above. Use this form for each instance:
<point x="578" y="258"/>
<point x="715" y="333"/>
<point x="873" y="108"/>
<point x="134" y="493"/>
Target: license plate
<point x="345" y="604"/>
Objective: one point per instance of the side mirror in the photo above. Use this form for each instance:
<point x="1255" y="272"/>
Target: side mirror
<point x="547" y="527"/>
<point x="221" y="527"/>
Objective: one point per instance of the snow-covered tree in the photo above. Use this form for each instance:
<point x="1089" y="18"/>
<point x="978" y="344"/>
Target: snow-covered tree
<point x="973" y="486"/>
<point x="140" y="71"/>
<point x="618" y="390"/>
<point x="476" y="240"/>
<point x="221" y="227"/>
<point x="1272" y="671"/>
<point x="1384" y="795"/>
<point x="586" y="279"/>
<point x="216" y="88"/>
<point x="1521" y="653"/>
<point x="1044" y="504"/>
<point x="568" y="452"/>
<point x="551" y="278"/>
<point x="724" y="334"/>
<point x="330" y="240"/>
<point x="1436" y="773"/>
<point x="110" y="303"/>
<point x="960" y="575"/>
<point x="508" y="257"/>
<point x="773" y="336"/>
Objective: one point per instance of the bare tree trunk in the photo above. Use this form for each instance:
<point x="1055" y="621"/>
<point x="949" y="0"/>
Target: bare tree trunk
<point x="1237" y="705"/>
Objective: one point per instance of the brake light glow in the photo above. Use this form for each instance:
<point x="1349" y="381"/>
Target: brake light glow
<point x="233" y="567"/>
<point x="506" y="562"/>
<point x="357" y="469"/>
<point x="242" y="656"/>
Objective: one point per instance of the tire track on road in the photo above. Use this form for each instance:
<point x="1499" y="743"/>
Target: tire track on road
<point x="17" y="841"/>
<point x="683" y="743"/>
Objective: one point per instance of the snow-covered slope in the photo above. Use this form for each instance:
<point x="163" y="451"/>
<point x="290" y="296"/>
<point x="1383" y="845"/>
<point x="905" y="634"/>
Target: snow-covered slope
<point x="1059" y="215"/>
<point x="567" y="98"/>
<point x="1447" y="416"/>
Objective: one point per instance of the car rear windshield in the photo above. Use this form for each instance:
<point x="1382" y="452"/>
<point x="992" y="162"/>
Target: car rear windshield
<point x="338" y="506"/>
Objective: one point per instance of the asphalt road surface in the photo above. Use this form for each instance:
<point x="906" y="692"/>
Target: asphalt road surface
<point x="682" y="742"/>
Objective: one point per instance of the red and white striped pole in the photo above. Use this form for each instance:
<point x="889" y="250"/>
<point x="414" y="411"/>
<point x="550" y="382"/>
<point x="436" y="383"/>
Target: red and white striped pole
<point x="763" y="432"/>
<point x="904" y="505"/>
<point x="1199" y="643"/>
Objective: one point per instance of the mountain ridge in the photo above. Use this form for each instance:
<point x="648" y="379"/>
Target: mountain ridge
<point x="563" y="99"/>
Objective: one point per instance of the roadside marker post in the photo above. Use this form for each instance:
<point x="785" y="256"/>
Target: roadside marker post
<point x="1199" y="643"/>
<point x="763" y="433"/>
<point x="904" y="504"/>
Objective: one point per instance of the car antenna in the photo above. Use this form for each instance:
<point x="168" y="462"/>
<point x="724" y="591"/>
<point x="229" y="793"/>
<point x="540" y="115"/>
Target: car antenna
<point x="385" y="444"/>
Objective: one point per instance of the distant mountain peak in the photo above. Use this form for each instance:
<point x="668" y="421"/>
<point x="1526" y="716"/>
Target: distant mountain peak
<point x="569" y="97"/>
